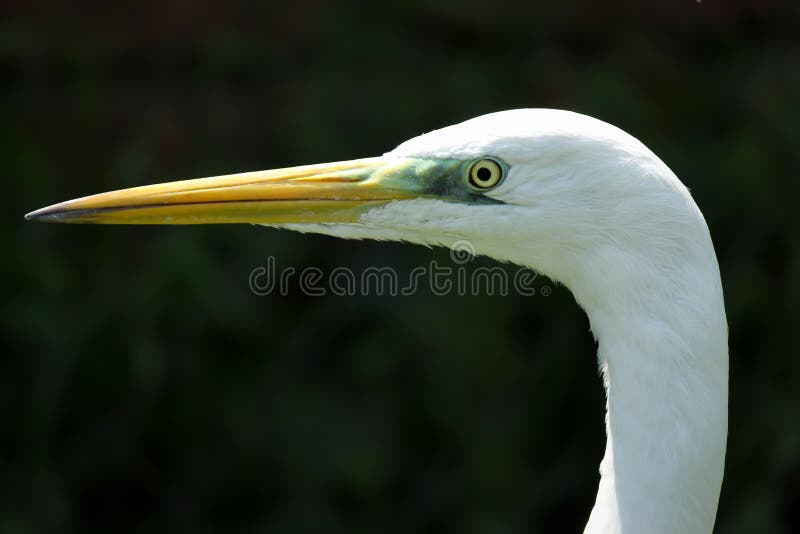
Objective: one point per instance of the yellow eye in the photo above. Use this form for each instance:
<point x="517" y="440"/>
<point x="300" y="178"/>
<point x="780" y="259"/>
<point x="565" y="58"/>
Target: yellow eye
<point x="485" y="174"/>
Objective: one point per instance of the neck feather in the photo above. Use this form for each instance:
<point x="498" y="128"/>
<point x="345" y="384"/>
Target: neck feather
<point x="662" y="350"/>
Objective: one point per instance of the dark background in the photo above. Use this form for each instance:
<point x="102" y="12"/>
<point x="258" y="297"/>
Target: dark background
<point x="145" y="388"/>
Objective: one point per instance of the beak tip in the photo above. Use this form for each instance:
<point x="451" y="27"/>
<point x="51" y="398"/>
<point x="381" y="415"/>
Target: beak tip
<point x="43" y="214"/>
<point x="32" y="216"/>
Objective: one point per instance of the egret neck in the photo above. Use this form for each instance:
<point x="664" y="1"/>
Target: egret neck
<point x="662" y="351"/>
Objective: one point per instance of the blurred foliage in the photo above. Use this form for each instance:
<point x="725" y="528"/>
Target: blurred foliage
<point x="144" y="388"/>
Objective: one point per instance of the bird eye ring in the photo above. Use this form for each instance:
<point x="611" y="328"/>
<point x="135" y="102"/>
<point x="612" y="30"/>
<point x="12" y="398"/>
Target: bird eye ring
<point x="485" y="174"/>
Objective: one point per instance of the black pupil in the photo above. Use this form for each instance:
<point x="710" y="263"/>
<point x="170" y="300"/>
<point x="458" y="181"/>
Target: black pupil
<point x="484" y="174"/>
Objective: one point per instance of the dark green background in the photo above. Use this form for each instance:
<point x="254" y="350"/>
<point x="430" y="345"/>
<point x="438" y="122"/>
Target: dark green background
<point x="144" y="388"/>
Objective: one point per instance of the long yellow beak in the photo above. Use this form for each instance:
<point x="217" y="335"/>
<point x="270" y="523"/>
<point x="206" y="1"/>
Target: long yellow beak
<point x="333" y="192"/>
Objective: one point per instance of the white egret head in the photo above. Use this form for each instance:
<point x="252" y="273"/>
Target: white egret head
<point x="549" y="189"/>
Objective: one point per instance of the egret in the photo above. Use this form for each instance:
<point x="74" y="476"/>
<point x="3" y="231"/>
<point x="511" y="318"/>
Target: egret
<point x="565" y="194"/>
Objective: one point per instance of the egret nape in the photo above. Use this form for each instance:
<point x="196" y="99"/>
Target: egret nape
<point x="570" y="196"/>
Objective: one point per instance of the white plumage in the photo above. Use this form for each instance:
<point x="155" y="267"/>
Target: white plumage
<point x="590" y="206"/>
